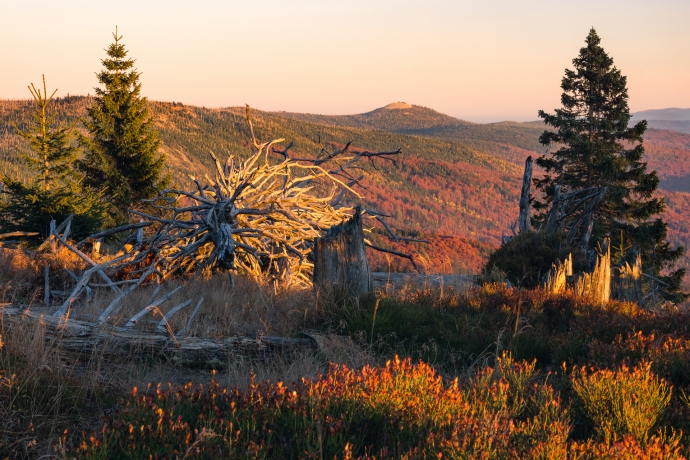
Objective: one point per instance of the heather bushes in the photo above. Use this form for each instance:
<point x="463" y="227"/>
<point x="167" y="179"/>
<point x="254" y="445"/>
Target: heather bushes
<point x="494" y="372"/>
<point x="622" y="402"/>
<point x="400" y="410"/>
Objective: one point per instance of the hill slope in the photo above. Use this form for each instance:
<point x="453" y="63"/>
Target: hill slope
<point x="667" y="151"/>
<point x="456" y="182"/>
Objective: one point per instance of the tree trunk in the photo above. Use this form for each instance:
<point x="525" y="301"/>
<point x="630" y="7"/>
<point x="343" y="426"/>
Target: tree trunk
<point x="553" y="224"/>
<point x="341" y="267"/>
<point x="524" y="219"/>
<point x="88" y="338"/>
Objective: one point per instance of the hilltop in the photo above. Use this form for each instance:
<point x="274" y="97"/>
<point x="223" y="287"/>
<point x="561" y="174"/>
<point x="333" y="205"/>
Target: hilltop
<point x="507" y="140"/>
<point x="456" y="183"/>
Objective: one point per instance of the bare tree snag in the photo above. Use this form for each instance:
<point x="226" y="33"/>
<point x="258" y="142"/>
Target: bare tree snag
<point x="589" y="217"/>
<point x="552" y="223"/>
<point x="340" y="260"/>
<point x="524" y="219"/>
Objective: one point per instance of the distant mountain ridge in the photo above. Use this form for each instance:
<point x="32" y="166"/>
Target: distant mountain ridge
<point x="670" y="114"/>
<point x="512" y="141"/>
<point x="673" y="119"/>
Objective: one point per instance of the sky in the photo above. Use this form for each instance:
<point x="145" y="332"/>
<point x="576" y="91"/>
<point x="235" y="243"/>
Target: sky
<point x="482" y="61"/>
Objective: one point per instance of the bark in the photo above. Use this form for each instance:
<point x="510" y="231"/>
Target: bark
<point x="554" y="214"/>
<point x="341" y="266"/>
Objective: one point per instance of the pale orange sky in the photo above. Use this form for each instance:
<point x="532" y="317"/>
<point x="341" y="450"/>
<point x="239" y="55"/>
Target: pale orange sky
<point x="481" y="61"/>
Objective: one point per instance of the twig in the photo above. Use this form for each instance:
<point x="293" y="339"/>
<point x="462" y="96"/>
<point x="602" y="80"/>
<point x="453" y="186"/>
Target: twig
<point x="188" y="327"/>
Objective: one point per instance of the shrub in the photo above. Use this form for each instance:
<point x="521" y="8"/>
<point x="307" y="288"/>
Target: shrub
<point x="399" y="410"/>
<point x="528" y="256"/>
<point x="622" y="402"/>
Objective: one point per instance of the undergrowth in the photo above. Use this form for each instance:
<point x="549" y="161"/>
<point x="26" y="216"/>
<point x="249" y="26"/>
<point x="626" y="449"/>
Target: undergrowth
<point x="491" y="373"/>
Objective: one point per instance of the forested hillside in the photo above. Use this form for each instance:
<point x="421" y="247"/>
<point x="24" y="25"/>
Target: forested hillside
<point x="456" y="183"/>
<point x="667" y="152"/>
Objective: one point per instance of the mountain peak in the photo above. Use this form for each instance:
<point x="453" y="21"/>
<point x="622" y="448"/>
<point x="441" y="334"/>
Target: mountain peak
<point x="398" y="105"/>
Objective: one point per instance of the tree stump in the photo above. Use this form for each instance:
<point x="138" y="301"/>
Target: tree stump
<point x="341" y="266"/>
<point x="626" y="283"/>
<point x="556" y="279"/>
<point x="596" y="285"/>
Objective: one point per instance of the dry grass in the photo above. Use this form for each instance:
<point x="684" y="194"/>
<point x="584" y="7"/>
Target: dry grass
<point x="247" y="308"/>
<point x="45" y="391"/>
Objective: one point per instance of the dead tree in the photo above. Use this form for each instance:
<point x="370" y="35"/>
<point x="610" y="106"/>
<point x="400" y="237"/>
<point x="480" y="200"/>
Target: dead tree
<point x="85" y="338"/>
<point x="525" y="224"/>
<point x="341" y="266"/>
<point x="573" y="211"/>
<point x="258" y="217"/>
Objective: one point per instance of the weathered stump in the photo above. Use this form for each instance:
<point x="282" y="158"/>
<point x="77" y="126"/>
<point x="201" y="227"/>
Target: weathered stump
<point x="556" y="279"/>
<point x="596" y="284"/>
<point x="341" y="266"/>
<point x="626" y="283"/>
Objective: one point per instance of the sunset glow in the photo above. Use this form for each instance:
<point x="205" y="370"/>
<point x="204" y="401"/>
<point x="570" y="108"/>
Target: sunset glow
<point x="481" y="61"/>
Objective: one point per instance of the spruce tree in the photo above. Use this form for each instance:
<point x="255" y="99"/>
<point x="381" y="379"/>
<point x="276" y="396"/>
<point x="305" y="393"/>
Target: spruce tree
<point x="595" y="148"/>
<point x="122" y="152"/>
<point x="55" y="191"/>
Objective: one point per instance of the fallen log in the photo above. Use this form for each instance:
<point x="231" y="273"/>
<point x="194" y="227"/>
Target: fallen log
<point x="88" y="338"/>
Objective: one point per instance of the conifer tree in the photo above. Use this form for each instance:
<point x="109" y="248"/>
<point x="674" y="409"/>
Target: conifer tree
<point x="122" y="152"/>
<point x="597" y="149"/>
<point x="56" y="190"/>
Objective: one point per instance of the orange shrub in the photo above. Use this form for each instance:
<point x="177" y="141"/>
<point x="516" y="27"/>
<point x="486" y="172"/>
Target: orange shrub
<point x="397" y="411"/>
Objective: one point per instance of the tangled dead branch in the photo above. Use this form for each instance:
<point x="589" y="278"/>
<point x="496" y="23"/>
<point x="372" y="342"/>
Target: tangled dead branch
<point x="258" y="217"/>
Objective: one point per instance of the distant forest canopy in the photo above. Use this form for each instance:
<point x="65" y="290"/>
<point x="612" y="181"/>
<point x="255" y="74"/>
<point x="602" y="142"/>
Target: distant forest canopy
<point x="456" y="183"/>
